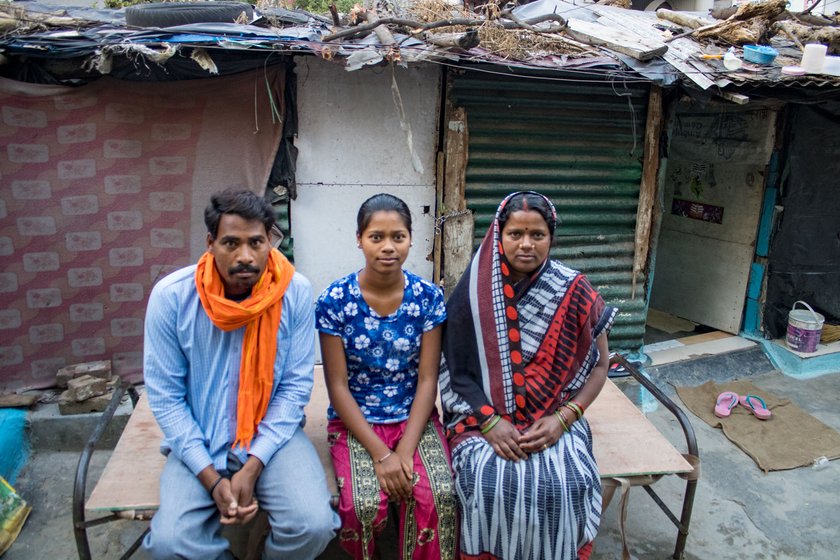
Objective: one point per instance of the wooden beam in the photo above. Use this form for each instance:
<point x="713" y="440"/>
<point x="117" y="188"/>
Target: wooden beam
<point x="631" y="44"/>
<point x="738" y="98"/>
<point x="457" y="228"/>
<point x="680" y="53"/>
<point x="683" y="19"/>
<point x="648" y="191"/>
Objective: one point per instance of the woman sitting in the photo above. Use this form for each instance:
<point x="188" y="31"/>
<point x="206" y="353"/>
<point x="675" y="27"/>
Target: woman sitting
<point x="524" y="354"/>
<point x="380" y="340"/>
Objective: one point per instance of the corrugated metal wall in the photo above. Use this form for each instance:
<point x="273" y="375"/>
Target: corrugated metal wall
<point x="580" y="144"/>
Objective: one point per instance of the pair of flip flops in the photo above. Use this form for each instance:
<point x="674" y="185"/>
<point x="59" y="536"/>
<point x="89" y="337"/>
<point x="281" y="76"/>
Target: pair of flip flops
<point x="727" y="400"/>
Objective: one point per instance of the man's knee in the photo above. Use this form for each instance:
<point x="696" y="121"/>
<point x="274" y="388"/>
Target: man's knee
<point x="164" y="543"/>
<point x="310" y="532"/>
<point x="316" y="523"/>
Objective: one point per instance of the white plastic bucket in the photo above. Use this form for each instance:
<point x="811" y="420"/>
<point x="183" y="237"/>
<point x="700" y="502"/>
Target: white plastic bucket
<point x="804" y="328"/>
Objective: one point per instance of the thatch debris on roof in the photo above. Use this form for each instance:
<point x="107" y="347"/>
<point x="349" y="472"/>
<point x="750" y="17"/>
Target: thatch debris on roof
<point x="16" y="18"/>
<point x="498" y="31"/>
<point x="748" y="25"/>
<point x="626" y="4"/>
<point x="756" y="22"/>
<point x="804" y="34"/>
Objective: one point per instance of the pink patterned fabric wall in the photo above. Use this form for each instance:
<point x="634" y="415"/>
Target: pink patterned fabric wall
<point x="96" y="204"/>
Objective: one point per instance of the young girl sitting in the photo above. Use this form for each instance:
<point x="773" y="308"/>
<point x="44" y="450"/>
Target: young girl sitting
<point x="380" y="342"/>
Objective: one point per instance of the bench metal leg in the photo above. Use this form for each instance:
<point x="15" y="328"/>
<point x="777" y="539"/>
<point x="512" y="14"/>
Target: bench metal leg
<point x="133" y="548"/>
<point x="80" y="524"/>
<point x="691" y="442"/>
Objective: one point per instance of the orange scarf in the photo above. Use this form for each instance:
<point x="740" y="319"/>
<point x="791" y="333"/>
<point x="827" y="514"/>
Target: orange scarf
<point x="261" y="313"/>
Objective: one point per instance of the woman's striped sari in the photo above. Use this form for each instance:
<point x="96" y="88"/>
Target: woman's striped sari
<point x="521" y="351"/>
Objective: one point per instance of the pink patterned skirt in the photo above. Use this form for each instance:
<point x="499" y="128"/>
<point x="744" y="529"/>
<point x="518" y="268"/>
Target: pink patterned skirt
<point x="428" y="521"/>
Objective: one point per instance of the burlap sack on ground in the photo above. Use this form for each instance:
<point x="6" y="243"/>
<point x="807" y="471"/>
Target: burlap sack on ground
<point x="791" y="438"/>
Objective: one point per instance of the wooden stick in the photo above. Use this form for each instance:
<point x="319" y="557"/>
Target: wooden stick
<point x="648" y="189"/>
<point x="810" y="9"/>
<point x="466" y="22"/>
<point x="792" y="37"/>
<point x="334" y="14"/>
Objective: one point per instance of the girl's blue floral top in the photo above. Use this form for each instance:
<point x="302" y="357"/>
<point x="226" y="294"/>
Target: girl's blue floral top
<point x="383" y="353"/>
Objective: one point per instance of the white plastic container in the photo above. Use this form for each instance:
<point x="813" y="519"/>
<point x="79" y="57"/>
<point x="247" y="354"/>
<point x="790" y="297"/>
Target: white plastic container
<point x="804" y="328"/>
<point x="813" y="58"/>
<point x="731" y="60"/>
<point x="831" y="65"/>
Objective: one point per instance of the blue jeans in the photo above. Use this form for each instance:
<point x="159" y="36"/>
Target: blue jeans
<point x="292" y="489"/>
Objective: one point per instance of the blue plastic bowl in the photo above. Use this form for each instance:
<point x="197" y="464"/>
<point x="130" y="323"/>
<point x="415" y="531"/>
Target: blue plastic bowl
<point x="759" y="54"/>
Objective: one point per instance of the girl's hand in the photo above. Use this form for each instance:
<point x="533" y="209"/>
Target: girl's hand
<point x="505" y="440"/>
<point x="407" y="461"/>
<point x="542" y="434"/>
<point x="392" y="477"/>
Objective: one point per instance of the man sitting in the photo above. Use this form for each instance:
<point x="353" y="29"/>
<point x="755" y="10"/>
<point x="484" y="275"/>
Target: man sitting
<point x="228" y="362"/>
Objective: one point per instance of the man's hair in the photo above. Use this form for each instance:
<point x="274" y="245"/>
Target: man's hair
<point x="243" y="203"/>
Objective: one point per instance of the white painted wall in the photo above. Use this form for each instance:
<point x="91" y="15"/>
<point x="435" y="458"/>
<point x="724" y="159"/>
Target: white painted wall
<point x="352" y="145"/>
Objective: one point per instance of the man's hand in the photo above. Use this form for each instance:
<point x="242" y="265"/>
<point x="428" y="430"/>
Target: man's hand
<point x="243" y="506"/>
<point x="225" y="502"/>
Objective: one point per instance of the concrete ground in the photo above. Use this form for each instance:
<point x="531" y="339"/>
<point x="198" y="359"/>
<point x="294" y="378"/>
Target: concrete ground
<point x="739" y="512"/>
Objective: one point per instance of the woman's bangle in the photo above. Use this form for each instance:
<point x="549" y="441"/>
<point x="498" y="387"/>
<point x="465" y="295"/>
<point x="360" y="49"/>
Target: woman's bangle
<point x="575" y="410"/>
<point x="559" y="416"/>
<point x="580" y="406"/>
<point x="384" y="457"/>
<point x="213" y="486"/>
<point x="491" y="424"/>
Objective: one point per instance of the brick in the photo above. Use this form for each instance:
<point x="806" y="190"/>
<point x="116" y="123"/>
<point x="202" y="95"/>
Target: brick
<point x="85" y="387"/>
<point x="62" y="377"/>
<point x="67" y="406"/>
<point x="101" y="369"/>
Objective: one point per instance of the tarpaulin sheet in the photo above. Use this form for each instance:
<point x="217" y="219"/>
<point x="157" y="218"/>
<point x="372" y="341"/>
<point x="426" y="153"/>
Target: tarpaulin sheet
<point x="103" y="192"/>
<point x="805" y="252"/>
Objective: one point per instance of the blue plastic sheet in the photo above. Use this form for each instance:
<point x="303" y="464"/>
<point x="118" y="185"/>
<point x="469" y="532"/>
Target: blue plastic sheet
<point x="14" y="445"/>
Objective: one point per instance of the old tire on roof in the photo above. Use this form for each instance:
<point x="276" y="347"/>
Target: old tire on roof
<point x="169" y="14"/>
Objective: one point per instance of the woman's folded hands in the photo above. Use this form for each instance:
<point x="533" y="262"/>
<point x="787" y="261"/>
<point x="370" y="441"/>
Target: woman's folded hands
<point x="506" y="441"/>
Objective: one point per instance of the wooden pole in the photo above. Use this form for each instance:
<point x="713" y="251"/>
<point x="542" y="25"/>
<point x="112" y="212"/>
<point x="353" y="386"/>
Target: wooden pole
<point x="438" y="239"/>
<point x="457" y="229"/>
<point x="648" y="191"/>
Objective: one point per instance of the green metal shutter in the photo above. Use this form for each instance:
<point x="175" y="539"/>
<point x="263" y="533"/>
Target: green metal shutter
<point x="579" y="143"/>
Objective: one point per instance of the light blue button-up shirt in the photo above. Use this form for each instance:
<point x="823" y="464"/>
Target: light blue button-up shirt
<point x="191" y="370"/>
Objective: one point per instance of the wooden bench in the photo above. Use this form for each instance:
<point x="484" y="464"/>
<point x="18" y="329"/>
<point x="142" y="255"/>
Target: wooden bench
<point x="628" y="448"/>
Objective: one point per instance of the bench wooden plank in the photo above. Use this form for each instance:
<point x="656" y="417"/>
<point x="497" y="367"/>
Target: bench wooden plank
<point x="131" y="479"/>
<point x="316" y="426"/>
<point x="626" y="443"/>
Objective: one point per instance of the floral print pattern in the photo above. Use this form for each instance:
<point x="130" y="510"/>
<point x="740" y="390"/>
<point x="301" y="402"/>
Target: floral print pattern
<point x="383" y="353"/>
